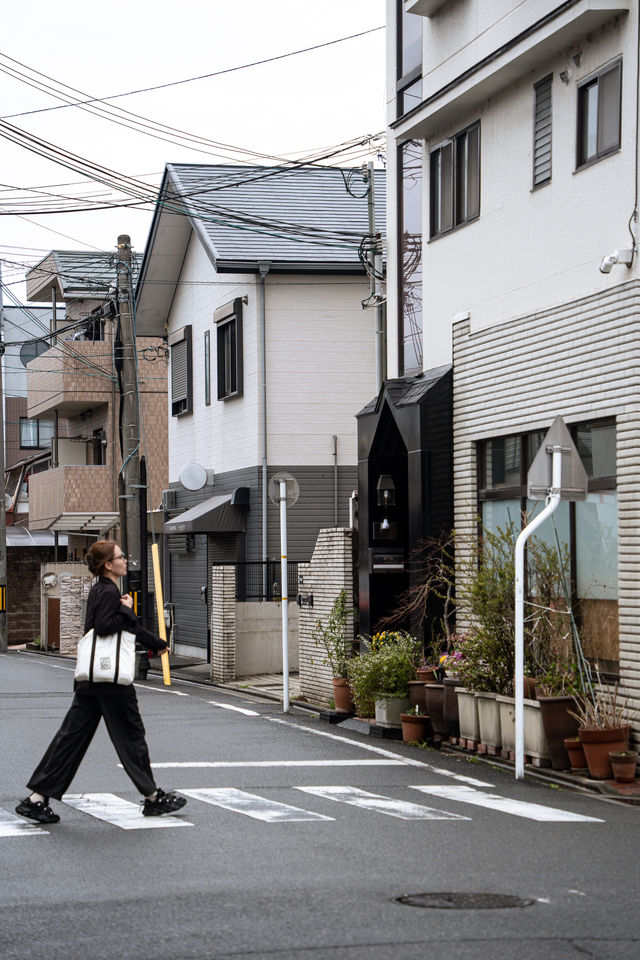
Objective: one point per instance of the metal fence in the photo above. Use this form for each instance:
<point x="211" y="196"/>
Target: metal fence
<point x="258" y="580"/>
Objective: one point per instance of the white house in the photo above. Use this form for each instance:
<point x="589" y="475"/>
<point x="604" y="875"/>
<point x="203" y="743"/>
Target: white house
<point x="512" y="234"/>
<point x="253" y="275"/>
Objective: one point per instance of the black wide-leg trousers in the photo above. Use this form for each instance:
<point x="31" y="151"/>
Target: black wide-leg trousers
<point x="64" y="754"/>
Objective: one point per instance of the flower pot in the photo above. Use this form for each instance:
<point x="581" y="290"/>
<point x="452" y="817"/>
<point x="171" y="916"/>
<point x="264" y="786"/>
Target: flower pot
<point x="435" y="701"/>
<point x="535" y="740"/>
<point x="342" y="696"/>
<point x="427" y="676"/>
<point x="624" y="763"/>
<point x="597" y="745"/>
<point x="507" y="709"/>
<point x="450" y="706"/>
<point x="415" y="729"/>
<point x="559" y="726"/>
<point x="468" y="715"/>
<point x="418" y="695"/>
<point x="489" y="721"/>
<point x="575" y="752"/>
<point x="389" y="708"/>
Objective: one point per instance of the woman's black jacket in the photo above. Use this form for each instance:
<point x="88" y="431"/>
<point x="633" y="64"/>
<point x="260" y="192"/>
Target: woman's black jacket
<point x="106" y="614"/>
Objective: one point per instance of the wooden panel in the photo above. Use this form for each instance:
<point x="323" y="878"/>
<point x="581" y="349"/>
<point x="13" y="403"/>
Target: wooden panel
<point x="53" y="623"/>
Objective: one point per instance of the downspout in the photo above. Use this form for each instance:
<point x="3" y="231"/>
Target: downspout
<point x="262" y="346"/>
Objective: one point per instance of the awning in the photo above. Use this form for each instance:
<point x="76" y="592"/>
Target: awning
<point x="89" y="523"/>
<point x="23" y="537"/>
<point x="221" y="514"/>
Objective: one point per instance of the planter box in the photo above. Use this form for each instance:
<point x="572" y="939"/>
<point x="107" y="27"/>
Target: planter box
<point x="507" y="708"/>
<point x="388" y="710"/>
<point x="468" y="715"/>
<point x="535" y="740"/>
<point x="489" y="721"/>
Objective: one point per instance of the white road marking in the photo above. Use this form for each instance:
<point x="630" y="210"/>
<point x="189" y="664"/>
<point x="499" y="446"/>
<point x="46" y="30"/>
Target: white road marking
<point x="408" y="761"/>
<point x="252" y="805"/>
<point x="373" y="801"/>
<point x="176" y="693"/>
<point x="222" y="764"/>
<point x="492" y="801"/>
<point x="121" y="813"/>
<point x="227" y="706"/>
<point x="12" y="825"/>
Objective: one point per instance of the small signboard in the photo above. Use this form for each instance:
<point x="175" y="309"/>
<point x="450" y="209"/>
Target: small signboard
<point x="574" y="476"/>
<point x="293" y="488"/>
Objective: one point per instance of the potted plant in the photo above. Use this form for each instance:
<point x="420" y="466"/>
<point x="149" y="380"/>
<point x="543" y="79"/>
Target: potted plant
<point x="602" y="728"/>
<point x="415" y="726"/>
<point x="623" y="763"/>
<point x="556" y="692"/>
<point x="332" y="637"/>
<point x="382" y="673"/>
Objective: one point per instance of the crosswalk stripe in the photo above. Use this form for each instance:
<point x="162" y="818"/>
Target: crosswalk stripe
<point x="252" y="805"/>
<point x="121" y="813"/>
<point x="373" y="801"/>
<point x="492" y="801"/>
<point x="228" y="706"/>
<point x="14" y="826"/>
<point x="222" y="764"/>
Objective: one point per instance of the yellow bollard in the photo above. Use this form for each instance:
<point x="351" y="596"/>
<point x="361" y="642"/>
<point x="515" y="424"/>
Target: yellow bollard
<point x="155" y="556"/>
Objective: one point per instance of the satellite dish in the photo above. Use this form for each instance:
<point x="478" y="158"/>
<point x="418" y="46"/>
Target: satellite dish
<point x="29" y="351"/>
<point x="193" y="476"/>
<point x="293" y="489"/>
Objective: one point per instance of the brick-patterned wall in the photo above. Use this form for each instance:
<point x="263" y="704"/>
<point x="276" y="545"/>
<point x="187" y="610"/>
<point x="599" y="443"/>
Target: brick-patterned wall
<point x="74" y="591"/>
<point x="23" y="592"/>
<point x="223" y="624"/>
<point x="329" y="572"/>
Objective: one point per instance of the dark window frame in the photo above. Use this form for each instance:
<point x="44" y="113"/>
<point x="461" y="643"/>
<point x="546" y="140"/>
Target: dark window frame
<point x="583" y="86"/>
<point x="538" y="89"/>
<point x="38" y="445"/>
<point x="411" y="77"/>
<point x="207" y="368"/>
<point x="229" y="349"/>
<point x="458" y="221"/>
<point x="181" y="370"/>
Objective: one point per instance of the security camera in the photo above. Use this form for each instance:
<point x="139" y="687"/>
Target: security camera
<point x="617" y="256"/>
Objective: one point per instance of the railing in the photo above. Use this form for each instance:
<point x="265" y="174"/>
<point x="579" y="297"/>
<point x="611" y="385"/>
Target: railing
<point x="259" y="580"/>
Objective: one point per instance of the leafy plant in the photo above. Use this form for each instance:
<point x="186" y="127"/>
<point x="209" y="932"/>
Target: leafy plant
<point x="415" y="711"/>
<point x="387" y="669"/>
<point x="606" y="712"/>
<point x="332" y="637"/>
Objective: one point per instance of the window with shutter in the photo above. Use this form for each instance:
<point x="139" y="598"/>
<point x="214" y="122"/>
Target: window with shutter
<point x="181" y="375"/>
<point x="542" y="133"/>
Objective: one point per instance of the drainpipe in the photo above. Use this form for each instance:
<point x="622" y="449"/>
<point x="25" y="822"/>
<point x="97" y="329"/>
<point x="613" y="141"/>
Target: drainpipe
<point x="262" y="346"/>
<point x="335" y="480"/>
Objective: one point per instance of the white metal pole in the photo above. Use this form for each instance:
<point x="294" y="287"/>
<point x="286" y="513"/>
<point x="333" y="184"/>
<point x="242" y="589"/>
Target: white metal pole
<point x="285" y="596"/>
<point x="553" y="501"/>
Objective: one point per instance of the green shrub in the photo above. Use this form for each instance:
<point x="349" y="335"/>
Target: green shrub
<point x="386" y="669"/>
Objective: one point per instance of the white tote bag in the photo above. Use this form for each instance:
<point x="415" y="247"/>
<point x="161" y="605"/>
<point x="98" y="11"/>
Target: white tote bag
<point x="109" y="659"/>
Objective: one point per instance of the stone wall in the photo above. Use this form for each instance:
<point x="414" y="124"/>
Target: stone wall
<point x="74" y="590"/>
<point x="223" y="623"/>
<point x="329" y="572"/>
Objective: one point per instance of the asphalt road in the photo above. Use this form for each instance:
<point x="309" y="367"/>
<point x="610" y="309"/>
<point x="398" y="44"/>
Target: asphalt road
<point x="257" y="867"/>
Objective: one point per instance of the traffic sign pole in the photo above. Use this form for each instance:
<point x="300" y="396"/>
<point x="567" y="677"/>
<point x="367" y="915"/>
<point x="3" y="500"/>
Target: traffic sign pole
<point x="285" y="596"/>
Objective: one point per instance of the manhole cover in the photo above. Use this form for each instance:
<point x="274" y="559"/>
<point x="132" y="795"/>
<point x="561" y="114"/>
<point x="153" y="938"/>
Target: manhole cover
<point x="464" y="901"/>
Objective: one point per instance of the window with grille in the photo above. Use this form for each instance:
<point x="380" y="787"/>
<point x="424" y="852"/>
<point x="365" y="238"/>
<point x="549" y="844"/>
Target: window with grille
<point x="599" y="100"/>
<point x="181" y="372"/>
<point x="542" y="132"/>
<point x="228" y="320"/>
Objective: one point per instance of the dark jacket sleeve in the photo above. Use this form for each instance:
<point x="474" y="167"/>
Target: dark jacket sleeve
<point x="107" y="614"/>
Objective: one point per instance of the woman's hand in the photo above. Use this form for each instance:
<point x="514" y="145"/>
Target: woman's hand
<point x="127" y="600"/>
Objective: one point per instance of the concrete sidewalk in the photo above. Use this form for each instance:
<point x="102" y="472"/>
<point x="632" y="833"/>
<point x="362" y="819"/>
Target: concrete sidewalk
<point x="267" y="685"/>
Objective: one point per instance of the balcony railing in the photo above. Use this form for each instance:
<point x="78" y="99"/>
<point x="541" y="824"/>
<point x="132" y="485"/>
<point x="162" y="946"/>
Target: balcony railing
<point x="69" y="378"/>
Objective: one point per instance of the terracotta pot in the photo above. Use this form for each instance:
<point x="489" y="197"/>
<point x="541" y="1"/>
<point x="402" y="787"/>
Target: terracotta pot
<point x="577" y="759"/>
<point x="624" y="765"/>
<point x="597" y="745"/>
<point x="435" y="701"/>
<point x="418" y="695"/>
<point x="427" y="676"/>
<point x="558" y="727"/>
<point x="415" y="729"/>
<point x="342" y="696"/>
<point x="450" y="706"/>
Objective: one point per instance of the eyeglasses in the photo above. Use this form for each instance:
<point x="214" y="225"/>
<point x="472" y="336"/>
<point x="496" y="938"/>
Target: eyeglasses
<point x="120" y="556"/>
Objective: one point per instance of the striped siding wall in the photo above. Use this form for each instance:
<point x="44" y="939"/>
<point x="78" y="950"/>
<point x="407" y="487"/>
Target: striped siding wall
<point x="579" y="360"/>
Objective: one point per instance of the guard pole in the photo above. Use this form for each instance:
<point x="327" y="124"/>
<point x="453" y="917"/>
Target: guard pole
<point x="285" y="596"/>
<point x="162" y="627"/>
<point x="553" y="501"/>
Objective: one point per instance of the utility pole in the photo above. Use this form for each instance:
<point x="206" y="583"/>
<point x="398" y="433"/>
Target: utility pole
<point x="376" y="297"/>
<point x="130" y="485"/>
<point x="3" y="509"/>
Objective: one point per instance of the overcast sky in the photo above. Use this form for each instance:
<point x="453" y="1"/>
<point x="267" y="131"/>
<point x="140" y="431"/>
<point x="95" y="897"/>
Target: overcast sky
<point x="289" y="108"/>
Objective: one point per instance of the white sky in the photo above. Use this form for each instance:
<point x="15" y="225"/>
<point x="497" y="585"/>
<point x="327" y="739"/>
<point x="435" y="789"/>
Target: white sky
<point x="310" y="101"/>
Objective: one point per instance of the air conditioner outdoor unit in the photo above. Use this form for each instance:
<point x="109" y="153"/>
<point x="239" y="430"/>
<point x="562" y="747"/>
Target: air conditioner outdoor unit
<point x="169" y="499"/>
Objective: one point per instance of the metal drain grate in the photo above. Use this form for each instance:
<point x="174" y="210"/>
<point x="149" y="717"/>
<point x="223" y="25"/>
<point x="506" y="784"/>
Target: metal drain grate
<point x="464" y="901"/>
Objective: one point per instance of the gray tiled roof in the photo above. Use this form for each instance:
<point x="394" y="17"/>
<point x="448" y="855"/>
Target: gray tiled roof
<point x="85" y="271"/>
<point x="282" y="216"/>
<point x="405" y="391"/>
